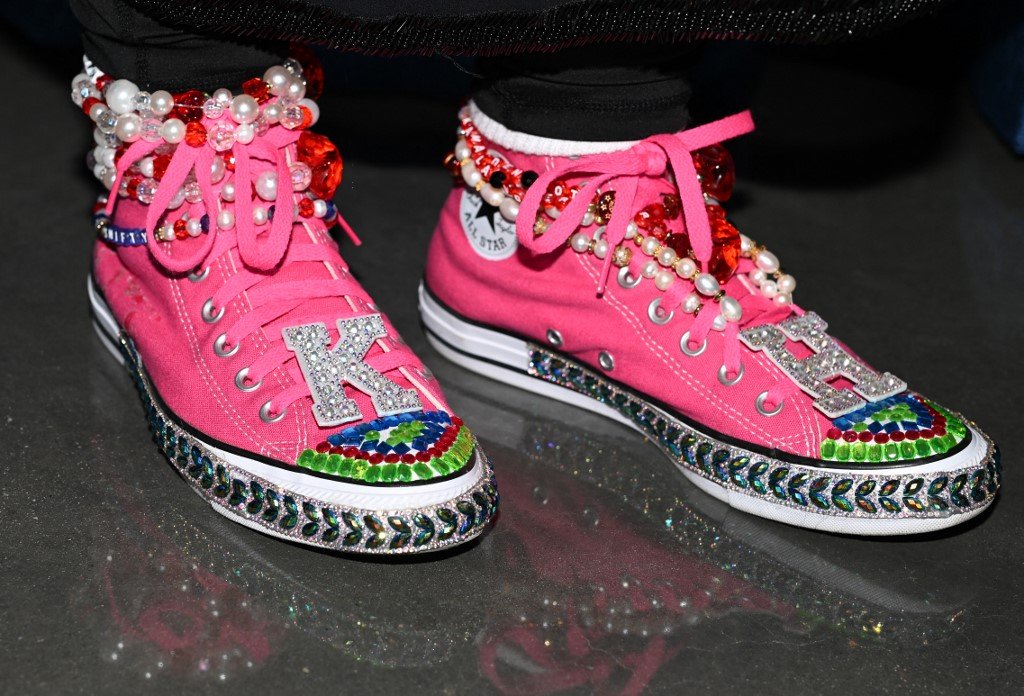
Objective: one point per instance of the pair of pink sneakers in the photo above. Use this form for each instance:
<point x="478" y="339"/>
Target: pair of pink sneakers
<point x="605" y="275"/>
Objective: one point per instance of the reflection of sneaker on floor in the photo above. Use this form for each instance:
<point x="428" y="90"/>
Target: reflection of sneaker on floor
<point x="588" y="276"/>
<point x="274" y="384"/>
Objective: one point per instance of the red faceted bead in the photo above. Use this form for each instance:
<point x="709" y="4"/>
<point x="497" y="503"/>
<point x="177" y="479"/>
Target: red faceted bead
<point x="376" y="458"/>
<point x="312" y="70"/>
<point x="658" y="231"/>
<point x="650" y="215"/>
<point x="392" y="458"/>
<point x="307" y="118"/>
<point x="102" y="81"/>
<point x="133" y="186"/>
<point x="725" y="250"/>
<point x="679" y="242"/>
<point x="834" y="433"/>
<point x="717" y="173"/>
<point x="160" y="163"/>
<point x="850" y="436"/>
<point x="423" y="456"/>
<point x="866" y="436"/>
<point x="306" y="208"/>
<point x="897" y="436"/>
<point x="881" y="438"/>
<point x="913" y="435"/>
<point x="87" y="104"/>
<point x="336" y="450"/>
<point x="324" y="159"/>
<point x="195" y="134"/>
<point x="181" y="231"/>
<point x="321" y="446"/>
<point x="257" y="89"/>
<point x="351" y="452"/>
<point x="188" y="106"/>
<point x="673" y="205"/>
<point x="408" y="458"/>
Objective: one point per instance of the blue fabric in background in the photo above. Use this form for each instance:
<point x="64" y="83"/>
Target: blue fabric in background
<point x="997" y="76"/>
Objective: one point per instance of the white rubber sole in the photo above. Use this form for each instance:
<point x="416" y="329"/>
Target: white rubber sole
<point x="337" y="496"/>
<point x="507" y="359"/>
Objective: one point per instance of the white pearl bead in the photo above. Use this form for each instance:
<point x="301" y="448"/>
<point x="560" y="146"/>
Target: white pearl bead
<point x="706" y="284"/>
<point x="97" y="170"/>
<point x="217" y="169"/>
<point x="319" y="208"/>
<point x="580" y="242"/>
<point x="692" y="303"/>
<point x="173" y="130"/>
<point x="194" y="227"/>
<point x="225" y="219"/>
<point x="266" y="185"/>
<point x="129" y="127"/>
<point x="746" y="243"/>
<point x="631" y="229"/>
<point x="223" y="97"/>
<point x="686" y="268"/>
<point x="667" y="256"/>
<point x="462" y="150"/>
<point x="295" y="90"/>
<point x="650" y="245"/>
<point x="509" y="209"/>
<point x="470" y="175"/>
<point x="664" y="279"/>
<point x="161" y="102"/>
<point x="769" y="288"/>
<point x="244" y="109"/>
<point x="228" y="191"/>
<point x="767" y="261"/>
<point x="601" y="248"/>
<point x="650" y="269"/>
<point x="278" y="78"/>
<point x="244" y="133"/>
<point x="260" y="215"/>
<point x="786" y="283"/>
<point x="588" y="219"/>
<point x="718" y="323"/>
<point x="314" y="110"/>
<point x="731" y="308"/>
<point x="107" y="155"/>
<point x="552" y="212"/>
<point x="97" y="110"/>
<point x="492" y="195"/>
<point x="120" y="96"/>
<point x="272" y="113"/>
<point x="178" y="200"/>
<point x="757" y="276"/>
<point x="782" y="299"/>
<point x="108" y="177"/>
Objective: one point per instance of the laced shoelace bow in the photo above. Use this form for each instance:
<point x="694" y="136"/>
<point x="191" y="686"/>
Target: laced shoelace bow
<point x="653" y="157"/>
<point x="261" y="251"/>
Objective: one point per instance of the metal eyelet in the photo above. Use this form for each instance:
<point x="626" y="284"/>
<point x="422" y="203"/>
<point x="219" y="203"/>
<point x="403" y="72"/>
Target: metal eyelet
<point x="723" y="376"/>
<point x="220" y="350"/>
<point x="626" y="279"/>
<point x="684" y="345"/>
<point x="265" y="413"/>
<point x="240" y="381"/>
<point x="759" y="405"/>
<point x="554" y="338"/>
<point x="210" y="314"/>
<point x="655" y="314"/>
<point x="200" y="276"/>
<point x="606" y="361"/>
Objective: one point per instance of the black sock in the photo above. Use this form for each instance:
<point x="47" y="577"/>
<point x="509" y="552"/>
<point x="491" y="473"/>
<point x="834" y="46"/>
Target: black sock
<point x="127" y="44"/>
<point x="603" y="92"/>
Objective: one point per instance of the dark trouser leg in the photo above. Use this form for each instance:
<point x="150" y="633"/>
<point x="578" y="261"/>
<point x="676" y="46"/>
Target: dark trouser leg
<point x="127" y="44"/>
<point x="603" y="92"/>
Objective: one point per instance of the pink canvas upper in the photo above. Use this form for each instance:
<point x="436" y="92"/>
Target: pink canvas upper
<point x="298" y="278"/>
<point x="547" y="285"/>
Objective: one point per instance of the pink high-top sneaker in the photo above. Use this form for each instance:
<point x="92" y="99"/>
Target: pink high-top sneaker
<point x="271" y="381"/>
<point x="607" y="276"/>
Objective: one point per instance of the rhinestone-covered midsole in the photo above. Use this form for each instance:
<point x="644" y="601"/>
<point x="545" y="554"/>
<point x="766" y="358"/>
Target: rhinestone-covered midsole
<point x="871" y="494"/>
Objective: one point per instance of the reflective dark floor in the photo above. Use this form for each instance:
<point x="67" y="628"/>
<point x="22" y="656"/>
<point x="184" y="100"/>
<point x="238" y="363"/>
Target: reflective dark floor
<point x="606" y="572"/>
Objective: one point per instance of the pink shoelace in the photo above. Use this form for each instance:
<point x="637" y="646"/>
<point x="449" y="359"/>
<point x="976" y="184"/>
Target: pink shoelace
<point x="655" y="157"/>
<point x="263" y="251"/>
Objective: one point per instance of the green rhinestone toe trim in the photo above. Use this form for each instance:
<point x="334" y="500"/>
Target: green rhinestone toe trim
<point x="279" y="511"/>
<point x="875" y="494"/>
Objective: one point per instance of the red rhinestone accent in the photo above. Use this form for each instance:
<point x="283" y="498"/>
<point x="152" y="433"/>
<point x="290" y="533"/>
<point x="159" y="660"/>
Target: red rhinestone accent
<point x="306" y="208"/>
<point x="195" y="134"/>
<point x="257" y="89"/>
<point x="188" y="106"/>
<point x="715" y="167"/>
<point x="324" y="159"/>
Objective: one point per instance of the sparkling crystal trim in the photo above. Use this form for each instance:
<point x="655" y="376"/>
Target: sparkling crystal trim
<point x="829" y="361"/>
<point x="310" y="521"/>
<point x="326" y="371"/>
<point x="809" y="489"/>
